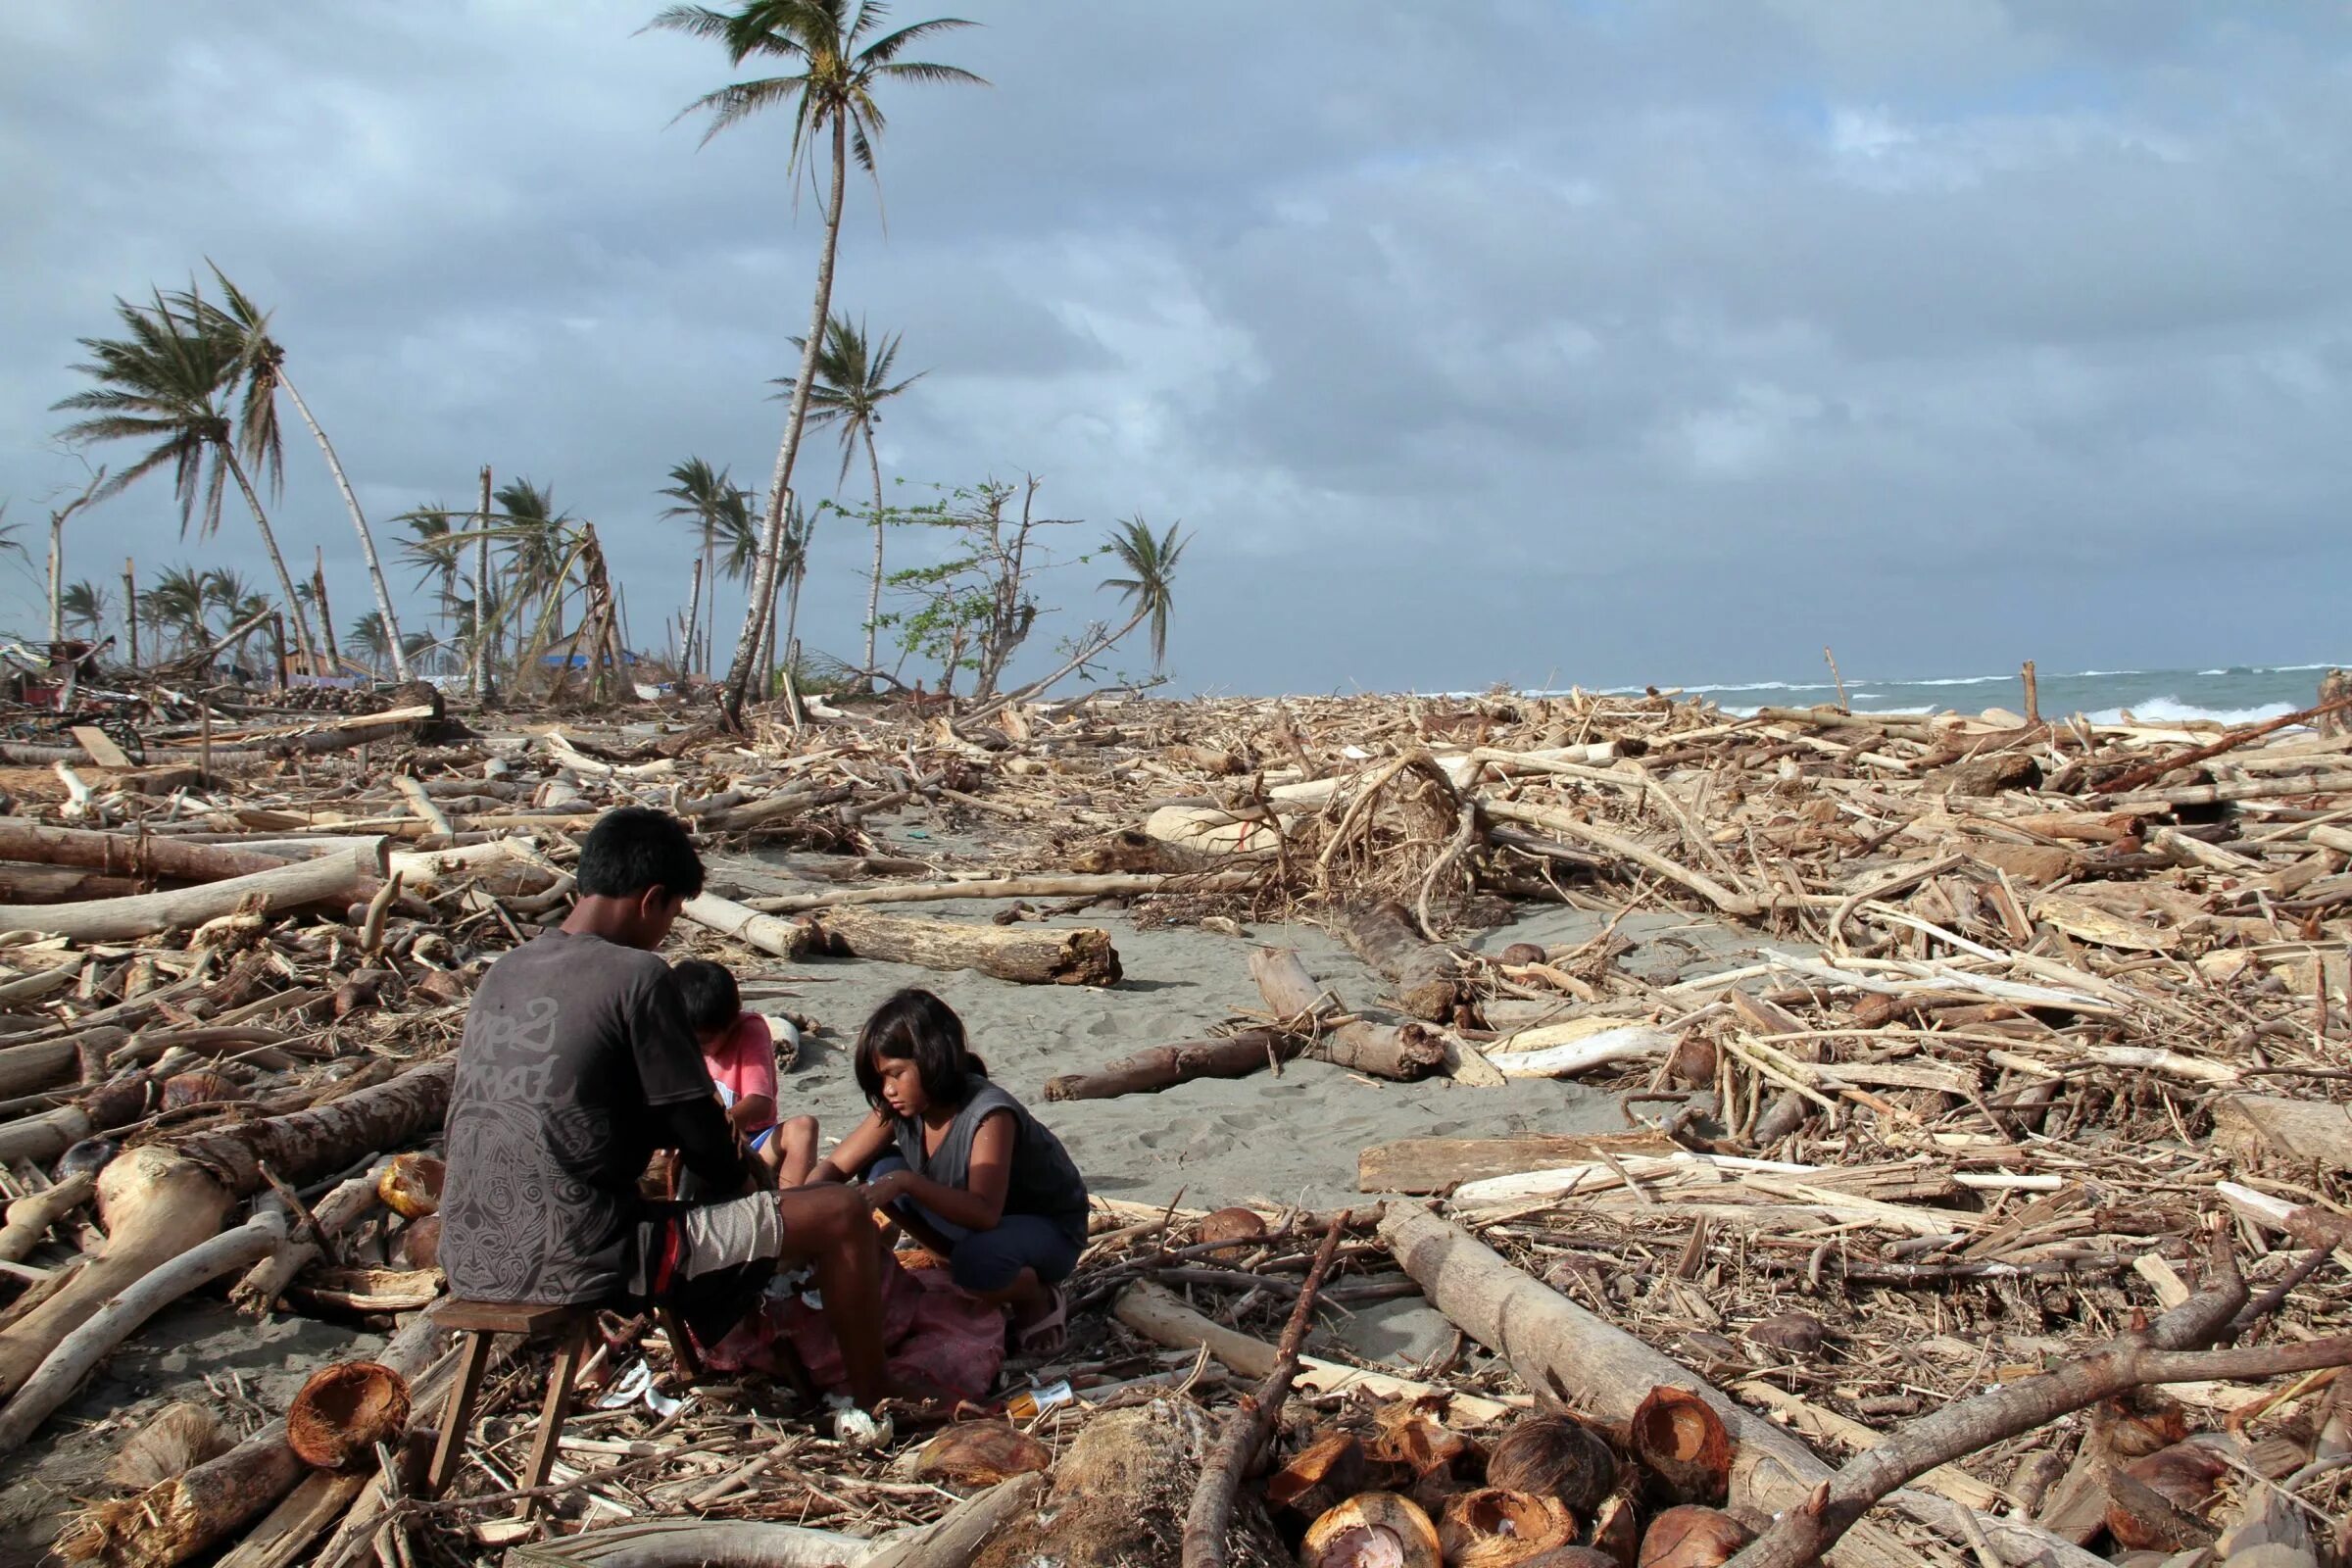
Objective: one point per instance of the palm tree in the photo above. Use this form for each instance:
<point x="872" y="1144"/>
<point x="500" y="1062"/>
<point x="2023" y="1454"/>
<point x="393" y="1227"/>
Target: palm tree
<point x="1150" y="563"/>
<point x="158" y="384"/>
<point x="227" y="590"/>
<point x="176" y="603"/>
<point x="835" y="60"/>
<point x="538" y="543"/>
<point x="369" y="639"/>
<point x="853" y="382"/>
<point x="84" y="607"/>
<point x="793" y="564"/>
<point x="260" y="368"/>
<point x="433" y="552"/>
<point x="704" y="498"/>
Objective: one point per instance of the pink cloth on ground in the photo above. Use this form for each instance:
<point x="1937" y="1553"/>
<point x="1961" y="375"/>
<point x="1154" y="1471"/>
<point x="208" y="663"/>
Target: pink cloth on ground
<point x="743" y="1065"/>
<point x="932" y="1332"/>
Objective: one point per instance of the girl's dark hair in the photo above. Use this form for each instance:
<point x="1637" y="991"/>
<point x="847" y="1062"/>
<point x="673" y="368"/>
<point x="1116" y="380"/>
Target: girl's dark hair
<point x="713" y="1001"/>
<point x="914" y="1025"/>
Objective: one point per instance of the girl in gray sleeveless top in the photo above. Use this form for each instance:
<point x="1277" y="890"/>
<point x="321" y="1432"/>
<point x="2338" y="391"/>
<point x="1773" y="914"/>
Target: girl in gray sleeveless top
<point x="963" y="1167"/>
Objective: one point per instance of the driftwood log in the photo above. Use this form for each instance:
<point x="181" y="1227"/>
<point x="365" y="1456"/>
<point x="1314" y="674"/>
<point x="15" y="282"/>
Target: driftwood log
<point x="160" y="1200"/>
<point x="30" y="1217"/>
<point x="1152" y="1311"/>
<point x="1402" y="1052"/>
<point x="1164" y="1066"/>
<point x="54" y="1380"/>
<point x="331" y="879"/>
<point x="132" y="855"/>
<point x="1026" y="954"/>
<point x="1427" y="1165"/>
<point x="1555" y="1345"/>
<point x="1424" y="973"/>
<point x="1072" y="885"/>
<point x="2164" y="1352"/>
<point x="43" y="1063"/>
<point x="175" y="1519"/>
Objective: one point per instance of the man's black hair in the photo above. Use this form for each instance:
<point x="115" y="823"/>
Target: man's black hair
<point x="914" y="1025"/>
<point x="634" y="848"/>
<point x="713" y="1003"/>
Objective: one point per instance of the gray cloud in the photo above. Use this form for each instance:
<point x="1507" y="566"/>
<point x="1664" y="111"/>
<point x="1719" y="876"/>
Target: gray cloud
<point x="1519" y="340"/>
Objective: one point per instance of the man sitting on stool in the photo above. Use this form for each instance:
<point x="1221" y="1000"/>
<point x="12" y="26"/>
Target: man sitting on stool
<point x="577" y="1063"/>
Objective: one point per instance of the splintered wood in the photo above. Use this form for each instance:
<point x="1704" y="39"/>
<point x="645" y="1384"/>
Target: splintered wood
<point x="2026" y="1085"/>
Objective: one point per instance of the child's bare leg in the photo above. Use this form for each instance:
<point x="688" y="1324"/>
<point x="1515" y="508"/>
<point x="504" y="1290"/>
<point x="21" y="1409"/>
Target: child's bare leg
<point x="792" y="1152"/>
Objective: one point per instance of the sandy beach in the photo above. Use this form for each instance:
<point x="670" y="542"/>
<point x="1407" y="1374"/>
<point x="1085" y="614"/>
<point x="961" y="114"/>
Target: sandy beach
<point x="1263" y="1140"/>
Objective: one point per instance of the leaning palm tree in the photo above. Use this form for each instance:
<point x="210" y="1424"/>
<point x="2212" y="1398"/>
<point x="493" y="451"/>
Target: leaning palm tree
<point x="261" y="369"/>
<point x="83" y="605"/>
<point x="1149" y="589"/>
<point x="156" y="384"/>
<point x="853" y="382"/>
<point x="705" y="497"/>
<point x="836" y="55"/>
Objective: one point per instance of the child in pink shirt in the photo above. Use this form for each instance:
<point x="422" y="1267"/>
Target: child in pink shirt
<point x="740" y="1051"/>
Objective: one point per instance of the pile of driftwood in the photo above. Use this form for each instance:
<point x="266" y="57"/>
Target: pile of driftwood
<point x="2031" y="1104"/>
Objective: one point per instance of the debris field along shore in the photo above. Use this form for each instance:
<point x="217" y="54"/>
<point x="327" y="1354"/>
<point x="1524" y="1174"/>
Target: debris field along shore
<point x="1557" y="1130"/>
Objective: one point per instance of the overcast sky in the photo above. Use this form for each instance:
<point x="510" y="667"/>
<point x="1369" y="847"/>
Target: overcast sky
<point x="1488" y="340"/>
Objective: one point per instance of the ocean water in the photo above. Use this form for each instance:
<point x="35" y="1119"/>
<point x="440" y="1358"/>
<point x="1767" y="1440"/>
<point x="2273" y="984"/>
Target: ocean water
<point x="2243" y="695"/>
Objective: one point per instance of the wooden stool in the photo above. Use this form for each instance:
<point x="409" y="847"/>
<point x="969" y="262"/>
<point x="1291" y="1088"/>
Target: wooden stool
<point x="479" y="1322"/>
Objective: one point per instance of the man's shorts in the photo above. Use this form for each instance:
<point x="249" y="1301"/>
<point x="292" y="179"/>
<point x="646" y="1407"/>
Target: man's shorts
<point x="708" y="1262"/>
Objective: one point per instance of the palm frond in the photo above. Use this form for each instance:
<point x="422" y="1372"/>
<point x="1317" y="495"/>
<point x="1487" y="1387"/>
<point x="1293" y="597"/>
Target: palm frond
<point x="885" y="49"/>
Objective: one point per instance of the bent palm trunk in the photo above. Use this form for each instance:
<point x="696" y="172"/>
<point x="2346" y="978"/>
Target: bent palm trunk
<point x="277" y="562"/>
<point x="359" y="520"/>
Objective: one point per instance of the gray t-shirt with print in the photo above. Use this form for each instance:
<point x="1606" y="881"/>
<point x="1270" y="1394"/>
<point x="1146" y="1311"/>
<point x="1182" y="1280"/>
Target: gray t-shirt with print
<point x="569" y="1045"/>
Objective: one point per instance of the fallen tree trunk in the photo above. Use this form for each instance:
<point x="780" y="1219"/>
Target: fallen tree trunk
<point x="1030" y="954"/>
<point x="1402" y="1052"/>
<point x="1555" y="1345"/>
<point x="30" y="1217"/>
<point x="1148" y="1072"/>
<point x="133" y="854"/>
<point x="1382" y="936"/>
<point x="1026" y="954"/>
<point x="1157" y="1316"/>
<point x="45" y="1135"/>
<point x="63" y="884"/>
<point x="1072" y="885"/>
<point x="160" y="1200"/>
<point x="719" y="1544"/>
<point x="2166" y="1352"/>
<point x="1440" y="1164"/>
<point x="54" y="1380"/>
<point x="397" y="723"/>
<point x="175" y="1519"/>
<point x="46" y="1064"/>
<point x="333" y="879"/>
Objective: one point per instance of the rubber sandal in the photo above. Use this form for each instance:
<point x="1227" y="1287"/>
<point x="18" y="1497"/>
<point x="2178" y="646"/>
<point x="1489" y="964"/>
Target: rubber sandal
<point x="1052" y="1332"/>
